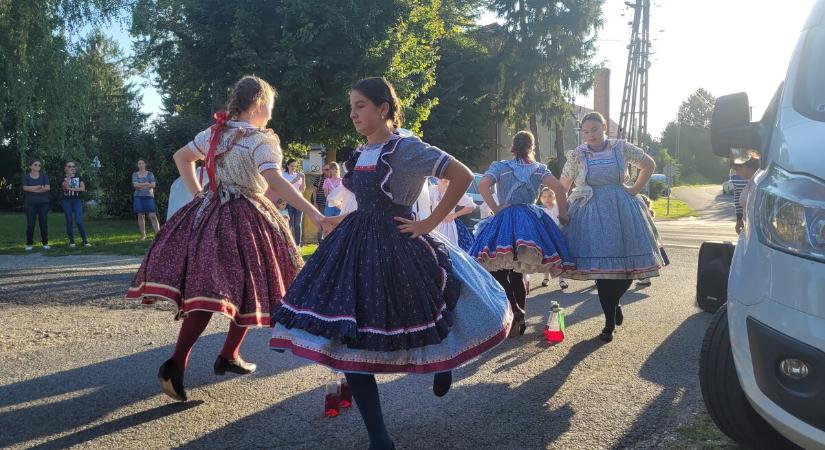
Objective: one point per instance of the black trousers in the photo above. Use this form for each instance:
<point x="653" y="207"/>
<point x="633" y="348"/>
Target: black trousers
<point x="37" y="212"/>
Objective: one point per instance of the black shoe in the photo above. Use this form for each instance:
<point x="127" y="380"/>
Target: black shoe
<point x="385" y="446"/>
<point x="619" y="315"/>
<point x="518" y="326"/>
<point x="441" y="383"/>
<point x="607" y="335"/>
<point x="239" y="366"/>
<point x="171" y="380"/>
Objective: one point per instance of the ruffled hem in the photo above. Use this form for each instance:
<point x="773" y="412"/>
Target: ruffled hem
<point x="151" y="293"/>
<point x="350" y="304"/>
<point x="528" y="258"/>
<point x="639" y="274"/>
<point x="524" y="239"/>
<point x="385" y="363"/>
<point x="344" y="329"/>
<point x="623" y="268"/>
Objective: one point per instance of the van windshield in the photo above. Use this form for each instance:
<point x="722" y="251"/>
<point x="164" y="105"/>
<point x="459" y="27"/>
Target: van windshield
<point x="809" y="98"/>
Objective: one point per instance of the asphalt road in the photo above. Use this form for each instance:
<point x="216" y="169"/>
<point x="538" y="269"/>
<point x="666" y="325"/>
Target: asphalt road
<point x="80" y="362"/>
<point x="708" y="201"/>
<point x="716" y="219"/>
<point x="79" y="367"/>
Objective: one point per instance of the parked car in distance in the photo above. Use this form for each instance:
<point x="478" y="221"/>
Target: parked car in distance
<point x="661" y="178"/>
<point x="727" y="187"/>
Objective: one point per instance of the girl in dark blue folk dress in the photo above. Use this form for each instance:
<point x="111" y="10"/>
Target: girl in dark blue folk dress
<point x="520" y="238"/>
<point x="380" y="295"/>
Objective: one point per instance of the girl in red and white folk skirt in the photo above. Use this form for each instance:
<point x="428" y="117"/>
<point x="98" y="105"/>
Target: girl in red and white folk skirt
<point x="228" y="251"/>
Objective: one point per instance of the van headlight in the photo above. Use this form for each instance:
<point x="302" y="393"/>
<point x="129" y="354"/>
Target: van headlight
<point x="790" y="213"/>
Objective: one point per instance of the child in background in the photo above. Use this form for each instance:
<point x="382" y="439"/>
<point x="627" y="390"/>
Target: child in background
<point x="548" y="199"/>
<point x="280" y="205"/>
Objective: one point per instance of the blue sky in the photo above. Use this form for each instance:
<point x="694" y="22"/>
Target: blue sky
<point x="723" y="46"/>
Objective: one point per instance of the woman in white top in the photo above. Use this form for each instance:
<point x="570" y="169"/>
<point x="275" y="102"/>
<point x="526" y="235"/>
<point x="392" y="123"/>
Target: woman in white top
<point x="450" y="227"/>
<point x="296" y="217"/>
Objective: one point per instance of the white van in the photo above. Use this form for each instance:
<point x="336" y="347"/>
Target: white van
<point x="762" y="368"/>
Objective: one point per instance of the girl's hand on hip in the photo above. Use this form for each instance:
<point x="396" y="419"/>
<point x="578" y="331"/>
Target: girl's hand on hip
<point x="632" y="190"/>
<point x="413" y="227"/>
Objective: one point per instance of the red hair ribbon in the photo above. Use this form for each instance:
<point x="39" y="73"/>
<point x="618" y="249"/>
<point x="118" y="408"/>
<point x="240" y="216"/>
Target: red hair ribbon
<point x="214" y="138"/>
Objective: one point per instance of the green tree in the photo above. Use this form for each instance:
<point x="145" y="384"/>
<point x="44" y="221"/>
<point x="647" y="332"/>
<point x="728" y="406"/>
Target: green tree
<point x="39" y="85"/>
<point x="547" y="58"/>
<point x="697" y="110"/>
<point x="312" y="51"/>
<point x="462" y="123"/>
<point x="688" y="138"/>
<point x="111" y="124"/>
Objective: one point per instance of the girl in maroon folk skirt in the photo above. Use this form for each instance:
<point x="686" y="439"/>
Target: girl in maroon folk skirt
<point x="229" y="250"/>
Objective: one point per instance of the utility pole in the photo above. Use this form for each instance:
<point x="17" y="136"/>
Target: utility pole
<point x="633" y="116"/>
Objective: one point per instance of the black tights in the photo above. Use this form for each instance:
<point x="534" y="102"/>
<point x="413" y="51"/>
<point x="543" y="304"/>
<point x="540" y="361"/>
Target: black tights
<point x="365" y="392"/>
<point x="610" y="292"/>
<point x="513" y="284"/>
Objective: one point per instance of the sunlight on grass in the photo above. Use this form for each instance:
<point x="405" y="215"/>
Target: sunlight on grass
<point x="702" y="433"/>
<point x="308" y="250"/>
<point x="678" y="209"/>
<point x="113" y="236"/>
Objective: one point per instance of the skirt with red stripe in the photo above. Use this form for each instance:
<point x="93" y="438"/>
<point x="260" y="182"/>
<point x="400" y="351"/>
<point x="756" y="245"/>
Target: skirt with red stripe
<point x="522" y="238"/>
<point x="235" y="257"/>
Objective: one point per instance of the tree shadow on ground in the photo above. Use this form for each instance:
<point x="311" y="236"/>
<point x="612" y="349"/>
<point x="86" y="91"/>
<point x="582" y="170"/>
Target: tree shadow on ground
<point x="73" y="399"/>
<point x="674" y="366"/>
<point x="475" y="417"/>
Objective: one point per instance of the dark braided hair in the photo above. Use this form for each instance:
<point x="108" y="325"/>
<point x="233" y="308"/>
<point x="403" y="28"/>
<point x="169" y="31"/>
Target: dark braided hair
<point x="379" y="91"/>
<point x="523" y="143"/>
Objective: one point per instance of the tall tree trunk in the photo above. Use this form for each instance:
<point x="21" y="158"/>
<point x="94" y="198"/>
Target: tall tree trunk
<point x="559" y="144"/>
<point x="534" y="128"/>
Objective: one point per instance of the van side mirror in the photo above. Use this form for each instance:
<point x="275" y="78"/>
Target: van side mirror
<point x="731" y="128"/>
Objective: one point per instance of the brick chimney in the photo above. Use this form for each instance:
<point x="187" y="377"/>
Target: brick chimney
<point x="601" y="95"/>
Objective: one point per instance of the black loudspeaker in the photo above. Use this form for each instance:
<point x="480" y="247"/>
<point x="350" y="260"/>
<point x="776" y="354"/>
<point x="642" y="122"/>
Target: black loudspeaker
<point x="712" y="274"/>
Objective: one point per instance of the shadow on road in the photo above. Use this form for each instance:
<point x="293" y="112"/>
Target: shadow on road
<point x="118" y="425"/>
<point x="675" y="367"/>
<point x="94" y="391"/>
<point x="722" y="209"/>
<point x="585" y="300"/>
<point x="462" y="419"/>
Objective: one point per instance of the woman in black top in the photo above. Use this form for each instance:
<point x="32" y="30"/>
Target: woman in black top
<point x="73" y="186"/>
<point x="36" y="188"/>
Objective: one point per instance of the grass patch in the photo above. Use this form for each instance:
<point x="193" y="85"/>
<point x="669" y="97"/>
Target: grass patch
<point x="308" y="250"/>
<point x="106" y="236"/>
<point x="702" y="434"/>
<point x="678" y="209"/>
<point x="112" y="236"/>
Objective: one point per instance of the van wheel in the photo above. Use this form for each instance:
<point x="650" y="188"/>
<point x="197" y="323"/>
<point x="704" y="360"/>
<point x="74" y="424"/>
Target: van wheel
<point x="724" y="399"/>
